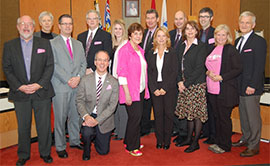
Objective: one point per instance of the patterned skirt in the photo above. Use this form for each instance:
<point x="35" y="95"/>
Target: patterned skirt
<point x="191" y="103"/>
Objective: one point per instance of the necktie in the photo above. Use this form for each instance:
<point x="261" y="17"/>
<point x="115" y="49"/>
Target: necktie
<point x="240" y="45"/>
<point x="176" y="40"/>
<point x="69" y="49"/>
<point x="148" y="40"/>
<point x="88" y="44"/>
<point x="203" y="38"/>
<point x="99" y="87"/>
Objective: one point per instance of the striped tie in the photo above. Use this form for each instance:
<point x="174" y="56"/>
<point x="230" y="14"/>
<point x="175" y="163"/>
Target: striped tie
<point x="99" y="87"/>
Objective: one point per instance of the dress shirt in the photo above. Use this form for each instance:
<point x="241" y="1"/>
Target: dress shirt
<point x="27" y="55"/>
<point x="245" y="37"/>
<point x="93" y="34"/>
<point x="146" y="37"/>
<point x="159" y="64"/>
<point x="70" y="42"/>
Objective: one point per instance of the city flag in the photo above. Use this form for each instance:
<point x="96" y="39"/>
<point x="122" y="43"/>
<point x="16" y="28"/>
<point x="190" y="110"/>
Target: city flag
<point x="164" y="21"/>
<point x="107" y="17"/>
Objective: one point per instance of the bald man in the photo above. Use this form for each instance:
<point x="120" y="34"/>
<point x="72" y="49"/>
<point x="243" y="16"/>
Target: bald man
<point x="28" y="65"/>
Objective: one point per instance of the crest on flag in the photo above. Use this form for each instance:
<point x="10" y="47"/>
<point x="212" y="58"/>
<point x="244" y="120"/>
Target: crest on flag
<point x="107" y="17"/>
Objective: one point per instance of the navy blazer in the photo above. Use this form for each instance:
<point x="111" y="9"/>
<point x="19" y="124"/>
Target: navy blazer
<point x="42" y="67"/>
<point x="253" y="57"/>
<point x="169" y="71"/>
<point x="231" y="68"/>
<point x="194" y="68"/>
<point x="101" y="41"/>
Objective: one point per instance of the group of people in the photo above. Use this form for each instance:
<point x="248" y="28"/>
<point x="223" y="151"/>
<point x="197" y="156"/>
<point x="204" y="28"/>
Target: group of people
<point x="100" y="82"/>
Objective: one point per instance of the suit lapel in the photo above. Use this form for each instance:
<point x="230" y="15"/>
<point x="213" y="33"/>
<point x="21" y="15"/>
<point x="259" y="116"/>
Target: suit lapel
<point x="33" y="58"/>
<point x="18" y="48"/>
<point x="64" y="46"/>
<point x="247" y="42"/>
<point x="105" y="85"/>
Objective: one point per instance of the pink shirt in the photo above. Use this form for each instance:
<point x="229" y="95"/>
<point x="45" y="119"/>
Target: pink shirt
<point x="213" y="63"/>
<point x="129" y="67"/>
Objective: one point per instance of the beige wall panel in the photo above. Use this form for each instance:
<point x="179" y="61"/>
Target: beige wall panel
<point x="225" y="11"/>
<point x="80" y="8"/>
<point x="34" y="8"/>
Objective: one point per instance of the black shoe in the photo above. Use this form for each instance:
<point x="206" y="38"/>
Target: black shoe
<point x="117" y="139"/>
<point x="144" y="134"/>
<point x="203" y="136"/>
<point x="159" y="146"/>
<point x="175" y="133"/>
<point x="85" y="157"/>
<point x="62" y="154"/>
<point x="166" y="147"/>
<point x="180" y="139"/>
<point x="183" y="143"/>
<point x="80" y="147"/>
<point x="192" y="148"/>
<point x="47" y="159"/>
<point x="21" y="162"/>
<point x="209" y="141"/>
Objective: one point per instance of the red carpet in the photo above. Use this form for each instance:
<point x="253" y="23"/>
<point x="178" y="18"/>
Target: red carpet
<point x="151" y="156"/>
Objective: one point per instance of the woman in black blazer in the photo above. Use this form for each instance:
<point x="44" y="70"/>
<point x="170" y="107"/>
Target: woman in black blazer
<point x="223" y="66"/>
<point x="162" y="74"/>
<point x="191" y="102"/>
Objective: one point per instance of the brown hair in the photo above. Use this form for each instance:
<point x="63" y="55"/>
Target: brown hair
<point x="194" y="25"/>
<point x="134" y="27"/>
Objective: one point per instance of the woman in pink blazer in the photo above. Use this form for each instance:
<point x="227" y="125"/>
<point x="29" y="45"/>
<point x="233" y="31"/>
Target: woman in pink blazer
<point x="132" y="77"/>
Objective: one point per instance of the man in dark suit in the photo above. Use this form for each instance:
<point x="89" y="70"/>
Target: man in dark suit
<point x="96" y="100"/>
<point x="70" y="66"/>
<point x="94" y="40"/>
<point x="207" y="36"/>
<point x="28" y="66"/>
<point x="252" y="50"/>
<point x="179" y="126"/>
<point x="147" y="44"/>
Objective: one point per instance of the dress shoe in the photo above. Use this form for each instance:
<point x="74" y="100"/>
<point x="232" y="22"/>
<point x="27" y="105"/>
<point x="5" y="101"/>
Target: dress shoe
<point x="166" y="147"/>
<point x="80" y="147"/>
<point x="159" y="146"/>
<point x="47" y="159"/>
<point x="209" y="141"/>
<point x="203" y="136"/>
<point x="239" y="143"/>
<point x="179" y="139"/>
<point x="175" y="133"/>
<point x="216" y="149"/>
<point x="85" y="157"/>
<point x="117" y="139"/>
<point x="21" y="161"/>
<point x="192" y="148"/>
<point x="62" y="154"/>
<point x="183" y="143"/>
<point x="249" y="153"/>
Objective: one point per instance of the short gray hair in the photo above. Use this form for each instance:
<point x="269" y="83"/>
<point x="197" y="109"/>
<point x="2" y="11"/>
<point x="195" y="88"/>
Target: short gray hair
<point x="45" y="13"/>
<point x="93" y="11"/>
<point x="19" y="21"/>
<point x="248" y="13"/>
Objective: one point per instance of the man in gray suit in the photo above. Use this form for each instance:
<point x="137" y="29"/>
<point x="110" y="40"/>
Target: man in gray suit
<point x="70" y="66"/>
<point x="96" y="100"/>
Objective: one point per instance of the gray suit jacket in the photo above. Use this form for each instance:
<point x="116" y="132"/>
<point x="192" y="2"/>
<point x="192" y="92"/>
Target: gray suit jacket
<point x="64" y="66"/>
<point x="86" y="100"/>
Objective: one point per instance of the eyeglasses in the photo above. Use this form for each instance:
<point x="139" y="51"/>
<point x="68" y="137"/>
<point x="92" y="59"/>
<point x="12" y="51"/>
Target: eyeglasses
<point x="66" y="24"/>
<point x="204" y="16"/>
<point x="102" y="60"/>
<point x="92" y="18"/>
<point x="26" y="23"/>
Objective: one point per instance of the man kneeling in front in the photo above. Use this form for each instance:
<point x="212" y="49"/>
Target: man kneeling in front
<point x="96" y="100"/>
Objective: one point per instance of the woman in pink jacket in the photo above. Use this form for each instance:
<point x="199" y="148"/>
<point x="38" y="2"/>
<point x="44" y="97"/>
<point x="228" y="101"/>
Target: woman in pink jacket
<point x="132" y="76"/>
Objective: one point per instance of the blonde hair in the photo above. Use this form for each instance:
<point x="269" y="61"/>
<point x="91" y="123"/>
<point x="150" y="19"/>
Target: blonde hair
<point x="227" y="30"/>
<point x="168" y="42"/>
<point x="124" y="35"/>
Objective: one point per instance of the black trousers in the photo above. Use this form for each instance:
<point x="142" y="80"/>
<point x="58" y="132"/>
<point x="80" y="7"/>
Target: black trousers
<point x="132" y="138"/>
<point x="101" y="141"/>
<point x="146" y="124"/>
<point x="223" y="122"/>
<point x="42" y="113"/>
<point x="209" y="126"/>
<point x="164" y="107"/>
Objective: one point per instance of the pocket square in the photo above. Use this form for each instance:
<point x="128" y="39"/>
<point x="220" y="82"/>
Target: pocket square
<point x="109" y="87"/>
<point x="97" y="42"/>
<point x="248" y="50"/>
<point x="211" y="41"/>
<point x="40" y="50"/>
